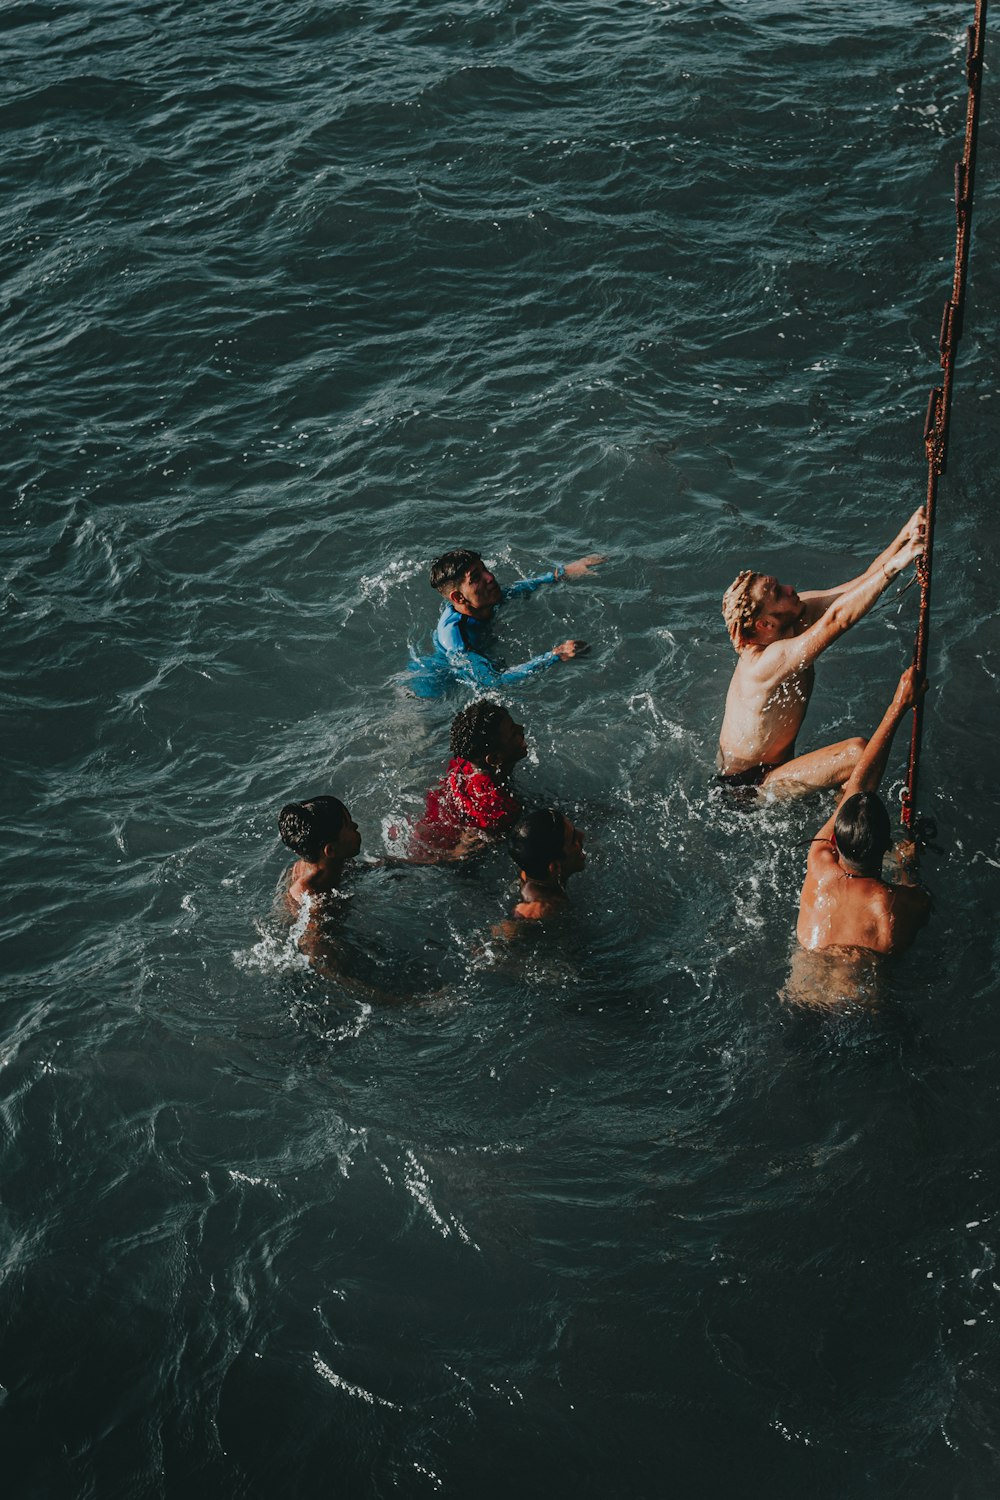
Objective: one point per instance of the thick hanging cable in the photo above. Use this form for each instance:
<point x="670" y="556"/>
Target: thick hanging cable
<point x="939" y="404"/>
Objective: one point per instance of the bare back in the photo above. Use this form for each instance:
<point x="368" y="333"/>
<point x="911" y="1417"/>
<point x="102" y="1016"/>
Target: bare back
<point x="838" y="910"/>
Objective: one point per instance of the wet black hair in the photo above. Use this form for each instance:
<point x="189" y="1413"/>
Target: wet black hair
<point x="537" y="841"/>
<point x="475" y="731"/>
<point x="307" y="827"/>
<point x="449" y="570"/>
<point x="862" y="831"/>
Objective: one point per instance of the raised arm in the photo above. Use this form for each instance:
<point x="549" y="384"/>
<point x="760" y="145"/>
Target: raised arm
<point x="818" y="600"/>
<point x="782" y="658"/>
<point x="870" y="768"/>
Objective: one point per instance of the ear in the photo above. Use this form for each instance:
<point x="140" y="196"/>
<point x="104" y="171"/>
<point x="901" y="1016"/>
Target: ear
<point x="329" y="851"/>
<point x="456" y="597"/>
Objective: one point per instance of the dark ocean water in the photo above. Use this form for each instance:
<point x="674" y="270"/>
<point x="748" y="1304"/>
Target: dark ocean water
<point x="296" y="296"/>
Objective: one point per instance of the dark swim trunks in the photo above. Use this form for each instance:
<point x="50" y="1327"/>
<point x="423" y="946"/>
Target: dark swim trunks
<point x="743" y="785"/>
<point x="743" y="781"/>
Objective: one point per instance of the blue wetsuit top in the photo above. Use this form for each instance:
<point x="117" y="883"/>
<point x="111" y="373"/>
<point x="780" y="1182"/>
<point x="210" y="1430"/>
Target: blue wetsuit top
<point x="461" y="640"/>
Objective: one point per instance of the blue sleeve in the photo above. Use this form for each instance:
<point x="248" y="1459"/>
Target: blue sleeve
<point x="529" y="585"/>
<point x="448" y="637"/>
<point x="467" y="662"/>
<point x="472" y="666"/>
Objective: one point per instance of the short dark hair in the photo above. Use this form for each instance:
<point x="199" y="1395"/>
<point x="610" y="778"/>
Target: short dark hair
<point x="862" y="831"/>
<point x="538" y="841"/>
<point x="451" y="568"/>
<point x="307" y="827"/>
<point x="475" y="731"/>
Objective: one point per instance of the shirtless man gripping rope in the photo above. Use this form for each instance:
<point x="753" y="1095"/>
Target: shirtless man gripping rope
<point x="778" y="634"/>
<point x="845" y="902"/>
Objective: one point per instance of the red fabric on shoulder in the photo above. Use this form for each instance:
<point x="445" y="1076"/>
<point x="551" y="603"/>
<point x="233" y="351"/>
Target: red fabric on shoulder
<point x="466" y="797"/>
<point x="479" y="799"/>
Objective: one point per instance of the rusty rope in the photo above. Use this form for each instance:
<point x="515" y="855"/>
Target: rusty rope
<point x="939" y="404"/>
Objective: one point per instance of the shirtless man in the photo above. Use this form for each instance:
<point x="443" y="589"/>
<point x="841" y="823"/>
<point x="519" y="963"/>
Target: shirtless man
<point x="845" y="903"/>
<point x="778" y="635"/>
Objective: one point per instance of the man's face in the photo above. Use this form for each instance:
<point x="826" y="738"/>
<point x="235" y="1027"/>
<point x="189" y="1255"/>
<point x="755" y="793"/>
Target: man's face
<point x="510" y="742"/>
<point x="573" y="858"/>
<point x="779" y="606"/>
<point x="478" y="589"/>
<point x="348" y="842"/>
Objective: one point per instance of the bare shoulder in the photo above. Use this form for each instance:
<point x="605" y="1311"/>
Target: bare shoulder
<point x="534" y="911"/>
<point x="822" y="858"/>
<point x="766" y="666"/>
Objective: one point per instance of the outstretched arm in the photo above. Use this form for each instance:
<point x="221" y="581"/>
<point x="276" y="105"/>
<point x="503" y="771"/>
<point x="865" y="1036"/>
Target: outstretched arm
<point x="782" y="658"/>
<point x="584" y="564"/>
<point x="470" y="664"/>
<point x="818" y="600"/>
<point x="558" y="571"/>
<point x="870" y="768"/>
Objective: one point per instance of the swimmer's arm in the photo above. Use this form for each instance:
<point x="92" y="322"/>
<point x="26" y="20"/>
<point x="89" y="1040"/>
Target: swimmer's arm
<point x="469" y="841"/>
<point x="481" y="670"/>
<point x="871" y="765"/>
<point x="783" y="659"/>
<point x="916" y="898"/>
<point x="388" y="862"/>
<point x="525" y="586"/>
<point x="558" y="571"/>
<point x="818" y="600"/>
<point x="906" y="857"/>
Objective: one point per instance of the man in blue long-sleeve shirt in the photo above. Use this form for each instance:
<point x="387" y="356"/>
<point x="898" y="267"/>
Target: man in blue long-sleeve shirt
<point x="471" y="594"/>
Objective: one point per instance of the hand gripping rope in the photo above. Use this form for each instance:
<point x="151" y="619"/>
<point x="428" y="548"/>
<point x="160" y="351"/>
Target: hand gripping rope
<point x="939" y="405"/>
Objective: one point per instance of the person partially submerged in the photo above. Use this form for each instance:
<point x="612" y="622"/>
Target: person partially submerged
<point x="845" y="901"/>
<point x="474" y="801"/>
<point x="326" y="838"/>
<point x="548" y="850"/>
<point x="471" y="597"/>
<point x="778" y="635"/>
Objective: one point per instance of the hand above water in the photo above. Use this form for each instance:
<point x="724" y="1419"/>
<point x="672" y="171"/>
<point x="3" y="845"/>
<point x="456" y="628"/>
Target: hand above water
<point x="911" y="541"/>
<point x="910" y="689"/>
<point x="583" y="565"/>
<point x="570" y="649"/>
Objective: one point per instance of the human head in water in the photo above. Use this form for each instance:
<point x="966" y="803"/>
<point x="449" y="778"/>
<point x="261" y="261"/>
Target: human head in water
<point x="466" y="582"/>
<point x="320" y="829"/>
<point x="547" y="847"/>
<point x="862" y="832"/>
<point x="485" y="734"/>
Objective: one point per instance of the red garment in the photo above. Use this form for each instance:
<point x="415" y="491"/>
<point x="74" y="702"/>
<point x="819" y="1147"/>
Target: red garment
<point x="466" y="798"/>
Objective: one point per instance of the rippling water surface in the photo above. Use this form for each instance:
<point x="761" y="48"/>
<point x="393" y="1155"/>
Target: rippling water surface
<point x="296" y="297"/>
